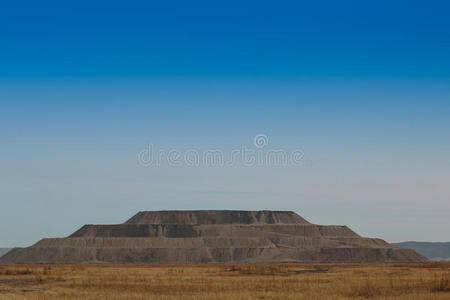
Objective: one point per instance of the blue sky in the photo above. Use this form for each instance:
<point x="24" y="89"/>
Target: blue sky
<point x="362" y="88"/>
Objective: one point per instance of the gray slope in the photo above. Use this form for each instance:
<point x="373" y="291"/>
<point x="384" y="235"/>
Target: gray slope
<point x="3" y="251"/>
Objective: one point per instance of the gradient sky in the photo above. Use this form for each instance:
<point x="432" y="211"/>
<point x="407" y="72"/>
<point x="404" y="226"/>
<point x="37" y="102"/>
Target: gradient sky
<point x="361" y="87"/>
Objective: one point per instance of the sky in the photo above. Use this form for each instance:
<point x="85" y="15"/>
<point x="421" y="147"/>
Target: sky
<point x="360" y="88"/>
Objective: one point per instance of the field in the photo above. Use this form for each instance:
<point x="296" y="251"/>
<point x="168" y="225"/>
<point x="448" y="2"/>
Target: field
<point x="430" y="281"/>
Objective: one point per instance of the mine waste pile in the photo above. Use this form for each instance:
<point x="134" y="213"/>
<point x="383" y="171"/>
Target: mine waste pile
<point x="212" y="236"/>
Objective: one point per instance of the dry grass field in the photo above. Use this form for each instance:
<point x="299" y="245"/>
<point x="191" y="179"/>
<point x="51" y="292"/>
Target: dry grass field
<point x="431" y="281"/>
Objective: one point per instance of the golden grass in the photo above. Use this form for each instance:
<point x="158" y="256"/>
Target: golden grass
<point x="428" y="281"/>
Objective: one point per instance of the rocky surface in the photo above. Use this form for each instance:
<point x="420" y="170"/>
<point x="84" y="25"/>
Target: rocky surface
<point x="196" y="237"/>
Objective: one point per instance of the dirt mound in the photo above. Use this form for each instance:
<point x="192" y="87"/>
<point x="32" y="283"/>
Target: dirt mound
<point x="221" y="236"/>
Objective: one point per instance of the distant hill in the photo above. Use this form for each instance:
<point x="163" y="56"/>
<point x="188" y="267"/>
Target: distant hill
<point x="435" y="251"/>
<point x="4" y="251"/>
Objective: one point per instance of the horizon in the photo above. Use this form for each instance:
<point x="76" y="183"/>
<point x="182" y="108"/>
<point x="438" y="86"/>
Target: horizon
<point x="338" y="112"/>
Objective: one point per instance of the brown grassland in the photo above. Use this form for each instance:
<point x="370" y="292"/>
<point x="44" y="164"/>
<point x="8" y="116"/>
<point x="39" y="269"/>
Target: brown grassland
<point x="427" y="281"/>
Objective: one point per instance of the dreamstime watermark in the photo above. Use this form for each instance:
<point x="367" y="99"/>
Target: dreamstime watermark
<point x="257" y="155"/>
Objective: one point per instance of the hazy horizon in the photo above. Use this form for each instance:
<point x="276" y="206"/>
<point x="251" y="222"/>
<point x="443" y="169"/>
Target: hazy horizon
<point x="361" y="90"/>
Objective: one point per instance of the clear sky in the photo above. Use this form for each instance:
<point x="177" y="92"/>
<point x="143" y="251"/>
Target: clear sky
<point x="362" y="88"/>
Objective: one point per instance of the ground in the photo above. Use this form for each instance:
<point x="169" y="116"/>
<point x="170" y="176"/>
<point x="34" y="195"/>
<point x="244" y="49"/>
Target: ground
<point x="427" y="281"/>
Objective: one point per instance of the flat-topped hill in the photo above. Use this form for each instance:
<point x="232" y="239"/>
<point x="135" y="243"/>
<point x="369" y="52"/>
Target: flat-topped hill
<point x="212" y="236"/>
<point x="194" y="217"/>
